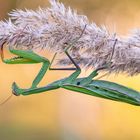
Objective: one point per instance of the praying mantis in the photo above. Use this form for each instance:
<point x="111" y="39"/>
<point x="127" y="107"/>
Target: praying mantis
<point x="86" y="85"/>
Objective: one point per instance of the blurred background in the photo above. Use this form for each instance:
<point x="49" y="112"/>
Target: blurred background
<point x="62" y="114"/>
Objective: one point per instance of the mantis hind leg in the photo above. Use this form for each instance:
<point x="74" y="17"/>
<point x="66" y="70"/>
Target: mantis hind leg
<point x="88" y="79"/>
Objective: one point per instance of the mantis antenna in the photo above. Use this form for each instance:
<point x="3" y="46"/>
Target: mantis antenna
<point x="6" y="100"/>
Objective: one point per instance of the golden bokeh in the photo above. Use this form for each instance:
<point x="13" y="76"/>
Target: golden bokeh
<point x="62" y="114"/>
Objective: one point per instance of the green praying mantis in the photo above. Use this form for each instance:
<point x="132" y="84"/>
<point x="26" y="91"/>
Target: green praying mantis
<point x="86" y="85"/>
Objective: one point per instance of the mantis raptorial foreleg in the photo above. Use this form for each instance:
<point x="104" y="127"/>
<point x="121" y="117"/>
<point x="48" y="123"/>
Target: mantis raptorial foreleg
<point x="28" y="57"/>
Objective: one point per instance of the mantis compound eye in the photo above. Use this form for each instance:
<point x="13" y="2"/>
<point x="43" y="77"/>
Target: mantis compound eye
<point x="14" y="93"/>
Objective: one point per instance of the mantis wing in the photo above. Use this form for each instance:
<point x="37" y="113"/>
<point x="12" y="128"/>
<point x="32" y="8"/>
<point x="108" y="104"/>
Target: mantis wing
<point x="107" y="90"/>
<point x="117" y="88"/>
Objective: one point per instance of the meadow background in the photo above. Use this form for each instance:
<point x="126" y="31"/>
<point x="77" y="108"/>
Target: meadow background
<point x="66" y="115"/>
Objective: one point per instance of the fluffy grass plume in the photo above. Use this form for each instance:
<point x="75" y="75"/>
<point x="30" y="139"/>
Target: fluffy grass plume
<point x="54" y="27"/>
